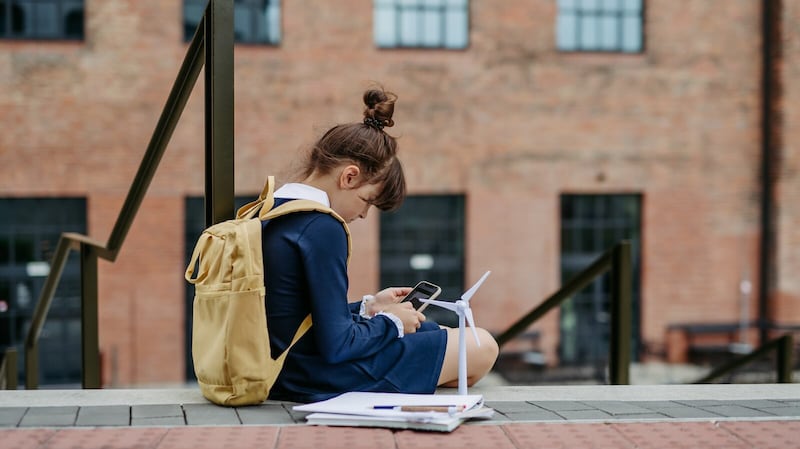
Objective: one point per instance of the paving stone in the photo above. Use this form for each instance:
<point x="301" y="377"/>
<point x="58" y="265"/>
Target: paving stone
<point x="25" y="438"/>
<point x="584" y="414"/>
<point x="265" y="414"/>
<point x="783" y="411"/>
<point x="653" y="405"/>
<point x="680" y="435"/>
<point x="736" y="411"/>
<point x="298" y="417"/>
<point x="765" y="434"/>
<point x="511" y="406"/>
<point x="700" y="403"/>
<point x="497" y="418"/>
<point x="558" y="406"/>
<point x="687" y="412"/>
<point x="464" y="437"/>
<point x="104" y="415"/>
<point x="756" y="403"/>
<point x="324" y="437"/>
<point x="50" y="416"/>
<point x="617" y="407"/>
<point x="222" y="437"/>
<point x="106" y="438"/>
<point x="210" y="414"/>
<point x="565" y="436"/>
<point x="534" y="415"/>
<point x="640" y="416"/>
<point x="11" y="416"/>
<point x="159" y="421"/>
<point x="156" y="411"/>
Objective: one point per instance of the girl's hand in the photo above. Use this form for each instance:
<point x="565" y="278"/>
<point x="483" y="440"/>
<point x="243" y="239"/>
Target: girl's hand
<point x="386" y="298"/>
<point x="411" y="319"/>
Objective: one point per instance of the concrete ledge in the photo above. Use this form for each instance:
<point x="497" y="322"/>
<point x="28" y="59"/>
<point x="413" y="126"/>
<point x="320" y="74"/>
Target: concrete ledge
<point x="54" y="398"/>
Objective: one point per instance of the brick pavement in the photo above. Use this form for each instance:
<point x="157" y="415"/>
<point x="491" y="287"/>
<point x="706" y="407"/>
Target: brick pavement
<point x="745" y="416"/>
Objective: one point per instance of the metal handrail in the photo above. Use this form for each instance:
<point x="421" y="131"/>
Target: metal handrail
<point x="783" y="347"/>
<point x="212" y="47"/>
<point x="618" y="261"/>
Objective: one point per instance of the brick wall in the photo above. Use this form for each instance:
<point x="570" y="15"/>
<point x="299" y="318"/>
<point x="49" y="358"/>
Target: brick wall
<point x="510" y="121"/>
<point x="786" y="300"/>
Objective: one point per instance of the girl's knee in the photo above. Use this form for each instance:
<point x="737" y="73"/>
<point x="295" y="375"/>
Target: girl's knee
<point x="488" y="350"/>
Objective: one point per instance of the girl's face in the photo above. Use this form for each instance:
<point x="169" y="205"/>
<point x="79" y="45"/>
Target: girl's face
<point x="354" y="197"/>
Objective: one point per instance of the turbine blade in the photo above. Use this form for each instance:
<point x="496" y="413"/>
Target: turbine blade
<point x="468" y="294"/>
<point x="443" y="304"/>
<point x="471" y="321"/>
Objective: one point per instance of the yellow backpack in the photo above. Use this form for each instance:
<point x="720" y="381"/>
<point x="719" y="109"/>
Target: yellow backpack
<point x="230" y="343"/>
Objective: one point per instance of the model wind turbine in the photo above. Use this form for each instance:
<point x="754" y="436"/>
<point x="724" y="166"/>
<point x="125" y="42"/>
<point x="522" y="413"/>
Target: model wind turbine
<point x="461" y="308"/>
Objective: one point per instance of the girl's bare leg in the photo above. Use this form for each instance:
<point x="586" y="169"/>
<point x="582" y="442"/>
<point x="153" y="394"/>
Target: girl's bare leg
<point x="480" y="359"/>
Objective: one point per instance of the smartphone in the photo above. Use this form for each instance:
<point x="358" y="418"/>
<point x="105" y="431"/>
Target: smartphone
<point x="423" y="290"/>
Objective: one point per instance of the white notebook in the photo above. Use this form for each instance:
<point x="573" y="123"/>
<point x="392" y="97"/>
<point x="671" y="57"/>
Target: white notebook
<point x="431" y="411"/>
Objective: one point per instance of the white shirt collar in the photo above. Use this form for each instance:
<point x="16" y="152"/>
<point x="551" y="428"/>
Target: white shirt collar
<point x="298" y="191"/>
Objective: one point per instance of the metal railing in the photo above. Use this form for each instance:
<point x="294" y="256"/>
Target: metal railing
<point x="212" y="47"/>
<point x="783" y="347"/>
<point x="618" y="261"/>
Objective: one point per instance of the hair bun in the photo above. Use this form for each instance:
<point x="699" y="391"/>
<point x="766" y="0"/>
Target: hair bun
<point x="380" y="108"/>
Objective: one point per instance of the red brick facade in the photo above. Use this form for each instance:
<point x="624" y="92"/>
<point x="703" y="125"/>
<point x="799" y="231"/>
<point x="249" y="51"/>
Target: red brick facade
<point x="510" y="122"/>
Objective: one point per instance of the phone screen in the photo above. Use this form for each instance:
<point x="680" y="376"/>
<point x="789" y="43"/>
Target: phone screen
<point x="423" y="290"/>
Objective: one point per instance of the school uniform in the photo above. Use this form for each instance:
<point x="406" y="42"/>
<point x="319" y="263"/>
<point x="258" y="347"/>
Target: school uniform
<point x="305" y="271"/>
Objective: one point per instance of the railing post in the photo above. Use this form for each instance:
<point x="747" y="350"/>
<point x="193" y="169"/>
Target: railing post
<point x="9" y="367"/>
<point x="619" y="359"/>
<point x="31" y="367"/>
<point x="90" y="343"/>
<point x="219" y="190"/>
<point x="784" y="359"/>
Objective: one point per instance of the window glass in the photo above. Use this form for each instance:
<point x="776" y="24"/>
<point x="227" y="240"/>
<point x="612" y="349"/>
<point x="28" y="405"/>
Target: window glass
<point x="41" y="19"/>
<point x="457" y="30"/>
<point x="270" y="31"/>
<point x="384" y="25"/>
<point x="425" y="24"/>
<point x="632" y="32"/>
<point x="5" y="249"/>
<point x="254" y="21"/>
<point x="599" y="25"/>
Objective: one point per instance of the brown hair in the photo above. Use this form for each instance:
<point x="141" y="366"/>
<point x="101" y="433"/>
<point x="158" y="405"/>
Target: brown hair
<point x="368" y="146"/>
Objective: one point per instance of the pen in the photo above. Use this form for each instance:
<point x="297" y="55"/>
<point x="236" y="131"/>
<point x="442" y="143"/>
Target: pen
<point x="422" y="408"/>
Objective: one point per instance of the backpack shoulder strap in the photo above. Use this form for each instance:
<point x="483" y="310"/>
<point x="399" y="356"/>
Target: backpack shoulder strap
<point x="307" y="206"/>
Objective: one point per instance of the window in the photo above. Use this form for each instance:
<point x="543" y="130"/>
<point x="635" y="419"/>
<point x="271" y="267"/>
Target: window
<point x="41" y="19"/>
<point x="421" y="23"/>
<point x="424" y="240"/>
<point x="591" y="225"/>
<point x="29" y="233"/>
<point x="254" y="21"/>
<point x="600" y="25"/>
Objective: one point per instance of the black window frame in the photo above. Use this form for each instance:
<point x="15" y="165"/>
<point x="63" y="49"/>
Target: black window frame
<point x="590" y="225"/>
<point x="399" y="8"/>
<point x="29" y="234"/>
<point x="23" y="20"/>
<point x="594" y="12"/>
<point x="425" y="240"/>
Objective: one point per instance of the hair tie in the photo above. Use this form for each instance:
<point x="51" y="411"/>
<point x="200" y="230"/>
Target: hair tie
<point x="373" y="122"/>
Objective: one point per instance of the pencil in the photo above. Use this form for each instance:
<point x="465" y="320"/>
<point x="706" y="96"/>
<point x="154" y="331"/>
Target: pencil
<point x="423" y="408"/>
